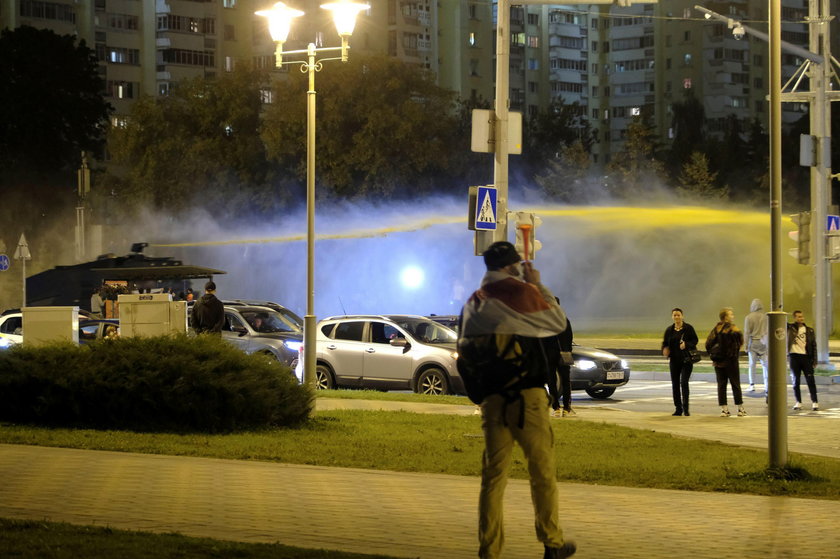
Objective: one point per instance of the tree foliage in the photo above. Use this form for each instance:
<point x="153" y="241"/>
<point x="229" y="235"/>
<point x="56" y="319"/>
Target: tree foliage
<point x="200" y="143"/>
<point x="51" y="103"/>
<point x="698" y="181"/>
<point x="634" y="169"/>
<point x="381" y="125"/>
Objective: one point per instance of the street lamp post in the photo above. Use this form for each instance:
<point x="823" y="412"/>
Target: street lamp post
<point x="279" y="23"/>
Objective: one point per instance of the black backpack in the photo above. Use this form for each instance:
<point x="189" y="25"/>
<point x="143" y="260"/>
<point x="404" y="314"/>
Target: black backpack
<point x="487" y="369"/>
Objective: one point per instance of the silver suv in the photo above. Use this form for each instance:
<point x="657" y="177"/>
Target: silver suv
<point x="399" y="352"/>
<point x="255" y="329"/>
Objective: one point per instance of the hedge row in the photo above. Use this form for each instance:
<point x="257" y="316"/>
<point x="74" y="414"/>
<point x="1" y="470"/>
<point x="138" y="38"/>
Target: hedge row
<point x="149" y="384"/>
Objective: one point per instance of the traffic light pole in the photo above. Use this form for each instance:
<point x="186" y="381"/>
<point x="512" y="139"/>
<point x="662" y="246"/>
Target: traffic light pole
<point x="501" y="108"/>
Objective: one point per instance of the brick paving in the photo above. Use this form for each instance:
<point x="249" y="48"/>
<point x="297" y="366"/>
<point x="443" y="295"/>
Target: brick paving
<point x="408" y="514"/>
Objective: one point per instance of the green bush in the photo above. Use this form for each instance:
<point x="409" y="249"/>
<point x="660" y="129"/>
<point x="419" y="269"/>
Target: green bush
<point x="149" y="384"/>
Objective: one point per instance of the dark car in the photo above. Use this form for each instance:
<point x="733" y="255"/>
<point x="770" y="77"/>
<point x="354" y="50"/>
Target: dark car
<point x="96" y="329"/>
<point x="596" y="371"/>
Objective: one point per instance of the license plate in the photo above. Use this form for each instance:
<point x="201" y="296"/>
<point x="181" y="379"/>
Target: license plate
<point x="615" y="375"/>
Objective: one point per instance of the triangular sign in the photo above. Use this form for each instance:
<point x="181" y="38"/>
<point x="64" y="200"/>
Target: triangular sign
<point x="22" y="251"/>
<point x="486" y="214"/>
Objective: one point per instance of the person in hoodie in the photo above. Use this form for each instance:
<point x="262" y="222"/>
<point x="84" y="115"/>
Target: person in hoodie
<point x="755" y="337"/>
<point x="513" y="317"/>
<point x="208" y="313"/>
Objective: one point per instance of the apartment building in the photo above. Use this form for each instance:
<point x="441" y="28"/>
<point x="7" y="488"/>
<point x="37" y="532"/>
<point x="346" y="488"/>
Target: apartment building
<point x="615" y="61"/>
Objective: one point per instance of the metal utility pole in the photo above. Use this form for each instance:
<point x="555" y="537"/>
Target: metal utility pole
<point x="83" y="177"/>
<point x="22" y="253"/>
<point x="501" y="108"/>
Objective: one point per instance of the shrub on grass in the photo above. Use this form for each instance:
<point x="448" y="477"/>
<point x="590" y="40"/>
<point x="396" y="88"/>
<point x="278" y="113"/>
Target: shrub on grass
<point x="149" y="384"/>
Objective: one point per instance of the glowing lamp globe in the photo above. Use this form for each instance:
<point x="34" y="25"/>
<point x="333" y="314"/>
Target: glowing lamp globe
<point x="344" y="15"/>
<point x="280" y="18"/>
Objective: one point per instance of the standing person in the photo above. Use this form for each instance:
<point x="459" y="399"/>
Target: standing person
<point x="724" y="345"/>
<point x="755" y="336"/>
<point x="678" y="339"/>
<point x="505" y="326"/>
<point x="564" y="368"/>
<point x="802" y="349"/>
<point x="208" y="313"/>
<point x="96" y="303"/>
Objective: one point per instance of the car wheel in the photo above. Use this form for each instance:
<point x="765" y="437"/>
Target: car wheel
<point x="600" y="393"/>
<point x="432" y="381"/>
<point x="323" y="378"/>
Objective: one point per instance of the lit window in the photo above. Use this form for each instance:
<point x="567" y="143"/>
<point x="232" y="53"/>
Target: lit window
<point x="472" y="39"/>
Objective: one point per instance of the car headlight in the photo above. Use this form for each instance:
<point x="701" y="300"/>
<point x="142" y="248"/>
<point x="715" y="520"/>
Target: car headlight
<point x="625" y="364"/>
<point x="585" y="364"/>
<point x="5" y="342"/>
<point x="454" y="355"/>
<point x="293" y="345"/>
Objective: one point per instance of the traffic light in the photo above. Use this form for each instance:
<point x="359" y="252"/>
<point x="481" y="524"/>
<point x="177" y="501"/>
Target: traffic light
<point x="526" y="227"/>
<point x="802" y="237"/>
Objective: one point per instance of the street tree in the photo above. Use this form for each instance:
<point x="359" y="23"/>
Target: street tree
<point x="51" y="103"/>
<point x="635" y="170"/>
<point x="200" y="145"/>
<point x="566" y="177"/>
<point x="383" y="128"/>
<point x="697" y="181"/>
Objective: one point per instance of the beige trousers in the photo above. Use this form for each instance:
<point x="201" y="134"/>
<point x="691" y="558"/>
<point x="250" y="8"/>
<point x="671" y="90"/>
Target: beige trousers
<point x="500" y="424"/>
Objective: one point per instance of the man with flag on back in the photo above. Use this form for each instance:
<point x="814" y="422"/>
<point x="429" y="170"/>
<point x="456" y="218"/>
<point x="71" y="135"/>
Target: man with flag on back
<point x="507" y="328"/>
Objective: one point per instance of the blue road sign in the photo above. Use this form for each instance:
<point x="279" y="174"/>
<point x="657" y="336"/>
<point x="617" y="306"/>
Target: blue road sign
<point x="4" y="262"/>
<point x="832" y="223"/>
<point x="485" y="209"/>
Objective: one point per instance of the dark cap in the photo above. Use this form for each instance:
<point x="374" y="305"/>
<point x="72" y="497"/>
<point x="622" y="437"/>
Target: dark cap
<point x="210" y="286"/>
<point x="500" y="254"/>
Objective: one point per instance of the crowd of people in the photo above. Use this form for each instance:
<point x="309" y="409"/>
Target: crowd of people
<point x="724" y="344"/>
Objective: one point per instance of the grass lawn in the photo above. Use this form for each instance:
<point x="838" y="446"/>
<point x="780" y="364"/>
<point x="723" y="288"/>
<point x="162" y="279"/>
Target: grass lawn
<point x="401" y="441"/>
<point x="37" y="540"/>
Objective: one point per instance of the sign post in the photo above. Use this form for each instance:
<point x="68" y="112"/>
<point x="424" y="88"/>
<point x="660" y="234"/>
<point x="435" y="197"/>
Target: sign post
<point x="22" y="254"/>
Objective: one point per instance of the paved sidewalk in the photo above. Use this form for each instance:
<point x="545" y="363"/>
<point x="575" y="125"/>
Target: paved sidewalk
<point x="424" y="515"/>
<point x="399" y="514"/>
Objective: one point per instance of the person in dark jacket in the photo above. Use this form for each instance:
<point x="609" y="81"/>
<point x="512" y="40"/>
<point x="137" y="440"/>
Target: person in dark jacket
<point x="564" y="367"/>
<point x="208" y="313"/>
<point x="724" y="345"/>
<point x="802" y="351"/>
<point x="678" y="339"/>
<point x="511" y="318"/>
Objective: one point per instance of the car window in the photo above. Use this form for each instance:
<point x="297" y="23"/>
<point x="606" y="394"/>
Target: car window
<point x="88" y="332"/>
<point x="349" y="331"/>
<point x="12" y="325"/>
<point x="326" y="329"/>
<point x="267" y="322"/>
<point x="232" y="322"/>
<point x="383" y="333"/>
<point x="428" y="331"/>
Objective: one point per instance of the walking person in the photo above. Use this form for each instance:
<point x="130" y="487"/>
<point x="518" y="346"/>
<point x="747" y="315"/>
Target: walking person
<point x="505" y="327"/>
<point x="564" y="368"/>
<point x="802" y="351"/>
<point x="96" y="303"/>
<point x="208" y="313"/>
<point x="724" y="345"/>
<point x="755" y="336"/>
<point x="680" y="337"/>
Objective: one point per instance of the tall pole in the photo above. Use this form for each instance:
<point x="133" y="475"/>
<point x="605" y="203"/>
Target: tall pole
<point x="820" y="118"/>
<point x="776" y="318"/>
<point x="501" y="109"/>
<point x="309" y="353"/>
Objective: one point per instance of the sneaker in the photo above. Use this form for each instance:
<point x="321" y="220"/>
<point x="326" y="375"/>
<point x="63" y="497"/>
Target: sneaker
<point x="724" y="412"/>
<point x="567" y="550"/>
<point x="752" y="388"/>
<point x="797" y="406"/>
<point x="569" y="412"/>
<point x="741" y="411"/>
<point x="815" y="406"/>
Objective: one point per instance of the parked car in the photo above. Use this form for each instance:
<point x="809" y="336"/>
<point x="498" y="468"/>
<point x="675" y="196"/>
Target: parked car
<point x="398" y="352"/>
<point x="256" y="329"/>
<point x="11" y="328"/>
<point x="596" y="371"/>
<point x="91" y="329"/>
<point x="287" y="313"/>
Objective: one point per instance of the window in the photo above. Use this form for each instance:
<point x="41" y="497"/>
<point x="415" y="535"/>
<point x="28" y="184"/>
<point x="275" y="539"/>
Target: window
<point x="594" y="91"/>
<point x="758" y="83"/>
<point x="757" y="60"/>
<point x="472" y="11"/>
<point x="533" y="64"/>
<point x="533" y="19"/>
<point x="266" y="96"/>
<point x="187" y="57"/>
<point x="12" y="325"/>
<point x="594" y="24"/>
<point x="667" y="63"/>
<point x="382" y="333"/>
<point x="687" y="83"/>
<point x="117" y="55"/>
<point x="121" y="89"/>
<point x="687" y="36"/>
<point x="687" y="60"/>
<point x="349" y="331"/>
<point x="532" y="87"/>
<point x="228" y="64"/>
<point x="474" y="67"/>
<point x="594" y="46"/>
<point x="595" y="113"/>
<point x="47" y="10"/>
<point x="472" y="39"/>
<point x="228" y="3"/>
<point x="533" y="41"/>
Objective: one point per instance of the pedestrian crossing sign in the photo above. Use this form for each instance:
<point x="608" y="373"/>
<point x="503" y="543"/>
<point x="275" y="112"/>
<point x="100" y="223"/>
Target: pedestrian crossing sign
<point x="485" y="209"/>
<point x="833" y="223"/>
